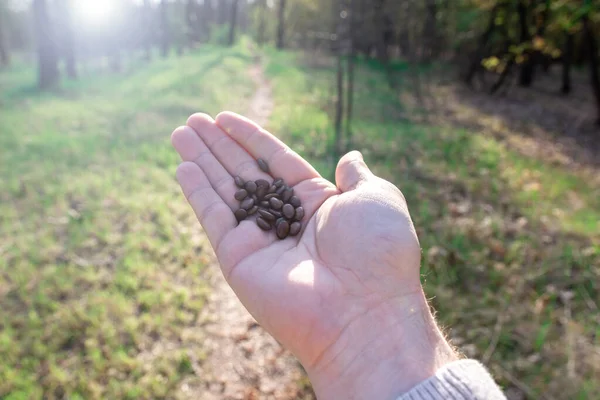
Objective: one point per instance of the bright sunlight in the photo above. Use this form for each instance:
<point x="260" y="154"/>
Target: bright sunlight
<point x="95" y="12"/>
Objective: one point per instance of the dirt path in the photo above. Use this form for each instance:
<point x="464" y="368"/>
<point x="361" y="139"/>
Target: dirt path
<point x="243" y="361"/>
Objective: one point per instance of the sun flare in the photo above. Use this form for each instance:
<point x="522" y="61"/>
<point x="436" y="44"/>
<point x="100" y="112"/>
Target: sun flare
<point x="95" y="12"/>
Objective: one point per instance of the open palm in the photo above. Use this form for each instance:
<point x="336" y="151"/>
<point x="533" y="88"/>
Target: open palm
<point x="355" y="261"/>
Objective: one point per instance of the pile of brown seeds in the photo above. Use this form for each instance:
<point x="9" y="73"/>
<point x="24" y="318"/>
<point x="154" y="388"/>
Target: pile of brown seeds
<point x="274" y="204"/>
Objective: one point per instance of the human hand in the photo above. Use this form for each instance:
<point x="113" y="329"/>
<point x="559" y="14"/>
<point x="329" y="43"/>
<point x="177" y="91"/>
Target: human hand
<point x="344" y="295"/>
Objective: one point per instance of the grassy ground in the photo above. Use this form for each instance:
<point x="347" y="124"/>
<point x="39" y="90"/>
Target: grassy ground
<point x="101" y="262"/>
<point x="100" y="268"/>
<point x="511" y="243"/>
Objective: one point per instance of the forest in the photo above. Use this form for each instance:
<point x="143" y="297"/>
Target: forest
<point x="485" y="113"/>
<point x="494" y="42"/>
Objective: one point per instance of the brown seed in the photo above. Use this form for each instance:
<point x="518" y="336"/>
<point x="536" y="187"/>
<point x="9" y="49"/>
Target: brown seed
<point x="266" y="215"/>
<point x="282" y="229"/>
<point x="295" y="228"/>
<point x="253" y="210"/>
<point x="270" y="196"/>
<point x="247" y="204"/>
<point x="255" y="198"/>
<point x="287" y="195"/>
<point x="261" y="192"/>
<point x="288" y="211"/>
<point x="241" y="214"/>
<point x="276" y="213"/>
<point x="264" y="204"/>
<point x="295" y="201"/>
<point x="263" y="224"/>
<point x="272" y="189"/>
<point x="281" y="189"/>
<point x="276" y="203"/>
<point x="241" y="194"/>
<point x="278" y="182"/>
<point x="250" y="187"/>
<point x="262" y="183"/>
<point x="239" y="182"/>
<point x="299" y="213"/>
<point x="262" y="164"/>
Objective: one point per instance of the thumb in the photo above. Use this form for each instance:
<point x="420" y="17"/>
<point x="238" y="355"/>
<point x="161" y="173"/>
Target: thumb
<point x="352" y="171"/>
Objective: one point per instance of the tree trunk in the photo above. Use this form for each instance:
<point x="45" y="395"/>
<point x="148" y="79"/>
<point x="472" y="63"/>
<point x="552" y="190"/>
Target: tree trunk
<point x="233" y="22"/>
<point x="475" y="63"/>
<point x="4" y="55"/>
<point x="340" y="30"/>
<point x="164" y="29"/>
<point x="191" y="20"/>
<point x="339" y="108"/>
<point x="567" y="61"/>
<point x="503" y="76"/>
<point x="351" y="61"/>
<point x="222" y="12"/>
<point x="262" y="23"/>
<point x="147" y="29"/>
<point x="67" y="38"/>
<point x="431" y="35"/>
<point x="242" y="16"/>
<point x="208" y="19"/>
<point x="381" y="26"/>
<point x="281" y="25"/>
<point x="592" y="50"/>
<point x="47" y="59"/>
<point x="527" y="72"/>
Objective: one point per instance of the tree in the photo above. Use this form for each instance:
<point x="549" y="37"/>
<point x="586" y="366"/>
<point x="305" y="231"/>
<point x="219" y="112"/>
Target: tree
<point x="4" y="57"/>
<point x="147" y="29"/>
<point x="567" y="61"/>
<point x="164" y="29"/>
<point x="524" y="37"/>
<point x="262" y="23"/>
<point x="533" y="55"/>
<point x="351" y="61"/>
<point x="383" y="29"/>
<point x="192" y="21"/>
<point x="222" y="12"/>
<point x="475" y="63"/>
<point x="431" y="38"/>
<point x="281" y="25"/>
<point x="342" y="46"/>
<point x="233" y="21"/>
<point x="207" y="18"/>
<point x="592" y="50"/>
<point x="46" y="49"/>
<point x="67" y="38"/>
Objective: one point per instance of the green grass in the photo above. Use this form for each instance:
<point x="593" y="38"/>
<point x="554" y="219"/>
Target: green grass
<point x="100" y="261"/>
<point x="511" y="244"/>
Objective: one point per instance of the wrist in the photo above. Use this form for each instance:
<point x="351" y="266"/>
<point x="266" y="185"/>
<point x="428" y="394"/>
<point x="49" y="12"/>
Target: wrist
<point x="383" y="354"/>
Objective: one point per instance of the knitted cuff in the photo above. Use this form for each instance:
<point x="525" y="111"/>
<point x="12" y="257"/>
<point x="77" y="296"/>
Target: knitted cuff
<point x="460" y="380"/>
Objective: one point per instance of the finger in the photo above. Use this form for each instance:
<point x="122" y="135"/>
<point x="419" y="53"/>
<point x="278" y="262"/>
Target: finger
<point x="191" y="148"/>
<point x="230" y="154"/>
<point x="216" y="217"/>
<point x="282" y="160"/>
<point x="352" y="171"/>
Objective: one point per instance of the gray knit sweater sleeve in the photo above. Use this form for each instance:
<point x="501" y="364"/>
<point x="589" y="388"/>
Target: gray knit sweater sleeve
<point x="460" y="380"/>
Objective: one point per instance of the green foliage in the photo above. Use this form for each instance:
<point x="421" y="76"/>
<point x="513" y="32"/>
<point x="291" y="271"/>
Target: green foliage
<point x="501" y="236"/>
<point x="219" y="34"/>
<point x="100" y="261"/>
